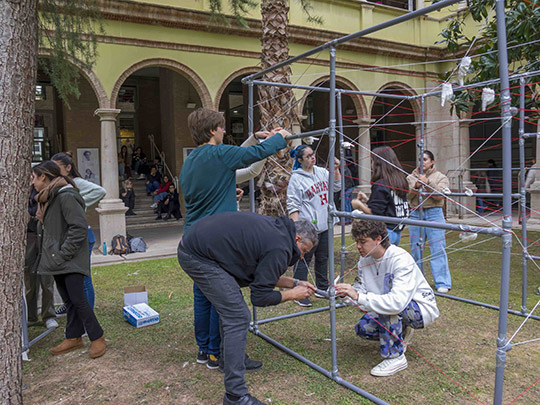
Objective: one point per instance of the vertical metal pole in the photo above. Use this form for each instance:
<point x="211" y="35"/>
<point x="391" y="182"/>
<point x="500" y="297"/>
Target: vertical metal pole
<point x="331" y="154"/>
<point x="421" y="241"/>
<point x="523" y="197"/>
<point x="342" y="193"/>
<point x="250" y="132"/>
<point x="251" y="181"/>
<point x="507" y="201"/>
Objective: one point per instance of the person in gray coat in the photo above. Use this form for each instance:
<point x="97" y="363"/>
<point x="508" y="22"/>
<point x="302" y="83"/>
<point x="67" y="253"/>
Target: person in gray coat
<point x="63" y="242"/>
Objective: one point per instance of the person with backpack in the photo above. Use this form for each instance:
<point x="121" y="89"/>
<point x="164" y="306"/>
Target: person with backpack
<point x="389" y="189"/>
<point x="63" y="253"/>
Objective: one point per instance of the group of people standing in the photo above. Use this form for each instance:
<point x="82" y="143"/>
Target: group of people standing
<point x="61" y="249"/>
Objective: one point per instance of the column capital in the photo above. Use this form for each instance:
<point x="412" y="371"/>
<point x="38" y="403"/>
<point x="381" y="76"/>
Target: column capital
<point x="364" y="122"/>
<point x="107" y="114"/>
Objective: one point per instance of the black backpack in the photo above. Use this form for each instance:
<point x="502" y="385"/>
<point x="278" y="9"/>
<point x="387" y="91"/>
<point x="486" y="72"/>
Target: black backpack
<point x="119" y="245"/>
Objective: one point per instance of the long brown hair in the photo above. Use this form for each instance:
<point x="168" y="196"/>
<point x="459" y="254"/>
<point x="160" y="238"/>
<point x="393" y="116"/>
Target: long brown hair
<point x="51" y="170"/>
<point x="392" y="174"/>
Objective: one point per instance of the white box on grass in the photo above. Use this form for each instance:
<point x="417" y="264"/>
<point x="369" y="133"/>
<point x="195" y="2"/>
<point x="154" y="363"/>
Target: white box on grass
<point x="140" y="315"/>
<point x="135" y="295"/>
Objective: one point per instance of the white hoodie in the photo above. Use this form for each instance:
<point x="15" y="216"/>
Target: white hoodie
<point x="398" y="270"/>
<point x="307" y="194"/>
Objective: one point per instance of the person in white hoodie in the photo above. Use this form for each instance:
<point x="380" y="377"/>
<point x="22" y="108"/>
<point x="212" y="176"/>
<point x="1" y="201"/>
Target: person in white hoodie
<point x="392" y="291"/>
<point x="91" y="194"/>
<point x="307" y="199"/>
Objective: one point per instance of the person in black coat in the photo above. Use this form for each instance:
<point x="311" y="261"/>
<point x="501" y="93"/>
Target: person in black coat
<point x="169" y="205"/>
<point x="127" y="195"/>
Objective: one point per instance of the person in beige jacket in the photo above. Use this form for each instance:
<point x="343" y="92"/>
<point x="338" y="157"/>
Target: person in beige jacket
<point x="431" y="181"/>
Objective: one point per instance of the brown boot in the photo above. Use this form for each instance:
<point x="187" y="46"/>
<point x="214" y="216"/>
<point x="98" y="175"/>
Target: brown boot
<point x="98" y="347"/>
<point x="67" y="345"/>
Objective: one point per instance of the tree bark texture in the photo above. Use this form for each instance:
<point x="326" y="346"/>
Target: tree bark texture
<point x="18" y="64"/>
<point x="277" y="105"/>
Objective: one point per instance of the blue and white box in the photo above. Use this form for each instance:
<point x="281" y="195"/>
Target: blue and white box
<point x="140" y="315"/>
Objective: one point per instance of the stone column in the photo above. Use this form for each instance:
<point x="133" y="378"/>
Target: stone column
<point x="534" y="190"/>
<point x="111" y="209"/>
<point x="364" y="156"/>
<point x="464" y="153"/>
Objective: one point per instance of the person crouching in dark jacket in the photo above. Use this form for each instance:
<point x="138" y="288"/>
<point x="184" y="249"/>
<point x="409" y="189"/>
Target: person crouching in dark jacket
<point x="63" y="242"/>
<point x="169" y="205"/>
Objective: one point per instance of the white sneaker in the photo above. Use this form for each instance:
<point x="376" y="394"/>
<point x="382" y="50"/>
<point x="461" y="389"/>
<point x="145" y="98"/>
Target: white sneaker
<point x="407" y="337"/>
<point x="389" y="366"/>
<point x="154" y="205"/>
<point x="443" y="290"/>
<point x="141" y="177"/>
<point x="51" y="323"/>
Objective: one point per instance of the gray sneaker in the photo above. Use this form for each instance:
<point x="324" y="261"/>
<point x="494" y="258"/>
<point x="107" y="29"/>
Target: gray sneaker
<point x="304" y="303"/>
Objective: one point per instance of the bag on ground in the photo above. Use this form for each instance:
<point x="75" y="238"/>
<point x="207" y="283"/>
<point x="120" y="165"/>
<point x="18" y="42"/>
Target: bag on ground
<point x="138" y="245"/>
<point x="120" y="245"/>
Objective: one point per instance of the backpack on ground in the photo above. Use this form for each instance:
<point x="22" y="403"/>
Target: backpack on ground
<point x="120" y="245"/>
<point x="138" y="245"/>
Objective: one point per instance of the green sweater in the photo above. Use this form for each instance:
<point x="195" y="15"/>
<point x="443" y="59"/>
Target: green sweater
<point x="208" y="179"/>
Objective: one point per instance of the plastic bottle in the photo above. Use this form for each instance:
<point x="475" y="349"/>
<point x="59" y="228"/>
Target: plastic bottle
<point x="104" y="248"/>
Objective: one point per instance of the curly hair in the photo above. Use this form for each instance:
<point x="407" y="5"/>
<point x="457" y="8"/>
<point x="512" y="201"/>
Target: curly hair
<point x="363" y="228"/>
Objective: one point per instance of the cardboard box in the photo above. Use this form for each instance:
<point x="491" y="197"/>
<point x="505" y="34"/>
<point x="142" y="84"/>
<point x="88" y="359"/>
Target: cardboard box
<point x="140" y="315"/>
<point x="135" y="295"/>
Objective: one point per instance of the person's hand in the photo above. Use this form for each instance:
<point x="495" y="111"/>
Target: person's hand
<point x="422" y="178"/>
<point x="346" y="290"/>
<point x="336" y="163"/>
<point x="307" y="284"/>
<point x="362" y="197"/>
<point x="263" y="134"/>
<point x="239" y="194"/>
<point x="301" y="291"/>
<point x="283" y="132"/>
<point x="124" y="194"/>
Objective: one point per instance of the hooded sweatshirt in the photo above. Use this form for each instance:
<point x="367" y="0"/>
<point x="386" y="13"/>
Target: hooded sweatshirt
<point x="387" y="285"/>
<point x="307" y="194"/>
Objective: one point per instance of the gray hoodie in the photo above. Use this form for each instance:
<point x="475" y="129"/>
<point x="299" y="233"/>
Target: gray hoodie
<point x="308" y="194"/>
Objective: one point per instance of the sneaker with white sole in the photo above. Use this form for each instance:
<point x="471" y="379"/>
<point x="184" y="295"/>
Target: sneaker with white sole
<point x="443" y="290"/>
<point x="319" y="295"/>
<point x="61" y="310"/>
<point x="202" y="357"/>
<point x="304" y="303"/>
<point x="213" y="362"/>
<point x="389" y="367"/>
<point x="407" y="337"/>
<point x="51" y="323"/>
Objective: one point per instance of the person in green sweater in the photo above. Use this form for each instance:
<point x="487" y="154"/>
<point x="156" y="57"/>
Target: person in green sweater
<point x="208" y="183"/>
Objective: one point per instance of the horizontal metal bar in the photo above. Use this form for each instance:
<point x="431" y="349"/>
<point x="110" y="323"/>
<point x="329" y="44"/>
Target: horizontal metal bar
<point x="515" y="195"/>
<point x="428" y="224"/>
<point x="531" y="135"/>
<point x="531" y="257"/>
<point x="316" y="132"/>
<point x="318" y="368"/>
<point x="484" y="83"/>
<point x="485" y="305"/>
<point x="335" y="42"/>
<point x="296" y="314"/>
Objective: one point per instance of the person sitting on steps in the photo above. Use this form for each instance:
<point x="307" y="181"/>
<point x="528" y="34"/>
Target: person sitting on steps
<point x="127" y="195"/>
<point x="169" y="205"/>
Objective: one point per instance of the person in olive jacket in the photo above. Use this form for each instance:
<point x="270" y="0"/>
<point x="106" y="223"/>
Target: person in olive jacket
<point x="63" y="241"/>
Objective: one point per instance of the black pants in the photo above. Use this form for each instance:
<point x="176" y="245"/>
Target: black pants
<point x="129" y="200"/>
<point x="171" y="209"/>
<point x="80" y="315"/>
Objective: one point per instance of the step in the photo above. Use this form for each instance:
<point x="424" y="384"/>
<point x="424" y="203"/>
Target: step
<point x="157" y="224"/>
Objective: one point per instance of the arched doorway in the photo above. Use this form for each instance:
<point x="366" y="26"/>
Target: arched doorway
<point x="392" y="126"/>
<point x="155" y="102"/>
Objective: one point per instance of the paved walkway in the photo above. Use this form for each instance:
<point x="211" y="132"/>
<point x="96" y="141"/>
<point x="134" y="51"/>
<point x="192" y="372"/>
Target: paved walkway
<point x="162" y="242"/>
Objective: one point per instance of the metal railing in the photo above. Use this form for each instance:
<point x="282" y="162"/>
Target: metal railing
<point x="153" y="149"/>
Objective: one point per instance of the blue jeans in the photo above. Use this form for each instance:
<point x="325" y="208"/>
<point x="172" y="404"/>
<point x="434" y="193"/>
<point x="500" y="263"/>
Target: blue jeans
<point x="206" y="323"/>
<point x="152" y="186"/>
<point x="437" y="246"/>
<point x="160" y="196"/>
<point x="88" y="286"/>
<point x="394" y="237"/>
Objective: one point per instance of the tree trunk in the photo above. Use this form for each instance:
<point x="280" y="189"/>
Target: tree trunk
<point x="277" y="105"/>
<point x="18" y="59"/>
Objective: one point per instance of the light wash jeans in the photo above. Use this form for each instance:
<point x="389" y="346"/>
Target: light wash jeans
<point x="394" y="237"/>
<point x="437" y="246"/>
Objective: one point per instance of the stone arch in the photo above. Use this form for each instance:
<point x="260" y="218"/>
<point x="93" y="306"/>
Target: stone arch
<point x="238" y="73"/>
<point x="415" y="103"/>
<point x="193" y="78"/>
<point x="358" y="100"/>
<point x="89" y="75"/>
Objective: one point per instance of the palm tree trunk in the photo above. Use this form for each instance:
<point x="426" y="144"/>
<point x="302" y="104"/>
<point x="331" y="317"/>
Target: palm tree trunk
<point x="277" y="105"/>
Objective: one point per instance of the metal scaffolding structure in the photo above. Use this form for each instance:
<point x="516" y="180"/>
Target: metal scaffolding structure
<point x="504" y="233"/>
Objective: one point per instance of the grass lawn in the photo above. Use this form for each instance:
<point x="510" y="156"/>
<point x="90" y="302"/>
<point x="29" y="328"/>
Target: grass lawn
<point x="156" y="364"/>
